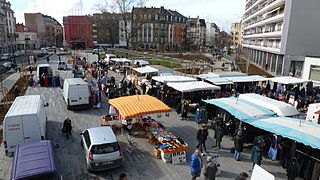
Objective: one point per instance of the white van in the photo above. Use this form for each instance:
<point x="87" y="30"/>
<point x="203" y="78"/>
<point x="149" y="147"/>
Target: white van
<point x="44" y="69"/>
<point x="24" y="122"/>
<point x="76" y="92"/>
<point x="108" y="58"/>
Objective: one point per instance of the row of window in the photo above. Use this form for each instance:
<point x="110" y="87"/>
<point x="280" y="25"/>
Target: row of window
<point x="157" y="17"/>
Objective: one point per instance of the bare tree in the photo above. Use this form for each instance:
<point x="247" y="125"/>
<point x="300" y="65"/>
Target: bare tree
<point x="123" y="7"/>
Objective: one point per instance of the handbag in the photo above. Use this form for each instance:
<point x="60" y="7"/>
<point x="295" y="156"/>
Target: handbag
<point x="232" y="150"/>
<point x="272" y="154"/>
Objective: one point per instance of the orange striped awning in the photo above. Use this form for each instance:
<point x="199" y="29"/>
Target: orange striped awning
<point x="138" y="105"/>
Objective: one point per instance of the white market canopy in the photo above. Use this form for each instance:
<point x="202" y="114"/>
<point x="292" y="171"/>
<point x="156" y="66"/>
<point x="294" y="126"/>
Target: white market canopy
<point x="141" y="62"/>
<point x="121" y="60"/>
<point x="241" y="79"/>
<point x="218" y="81"/>
<point x="220" y="74"/>
<point x="288" y="80"/>
<point x="173" y="78"/>
<point x="192" y="86"/>
<point x="145" y="70"/>
<point x="281" y="108"/>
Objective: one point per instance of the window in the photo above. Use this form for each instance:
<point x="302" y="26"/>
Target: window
<point x="105" y="148"/>
<point x="134" y="16"/>
<point x="87" y="138"/>
<point x="156" y="17"/>
<point x="145" y="17"/>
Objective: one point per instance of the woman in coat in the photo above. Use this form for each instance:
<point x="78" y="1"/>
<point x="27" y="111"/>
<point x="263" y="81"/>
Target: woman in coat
<point x="256" y="155"/>
<point x="238" y="145"/>
<point x="218" y="134"/>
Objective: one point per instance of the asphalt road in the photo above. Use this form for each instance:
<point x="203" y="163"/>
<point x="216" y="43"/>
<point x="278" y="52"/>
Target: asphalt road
<point x="140" y="165"/>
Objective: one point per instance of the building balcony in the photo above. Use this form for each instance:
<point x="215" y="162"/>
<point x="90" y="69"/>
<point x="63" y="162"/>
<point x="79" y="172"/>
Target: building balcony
<point x="264" y="9"/>
<point x="250" y="6"/>
<point x="264" y="34"/>
<point x="274" y="49"/>
<point x="272" y="19"/>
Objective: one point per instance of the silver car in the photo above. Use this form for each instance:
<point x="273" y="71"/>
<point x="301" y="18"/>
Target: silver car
<point x="102" y="149"/>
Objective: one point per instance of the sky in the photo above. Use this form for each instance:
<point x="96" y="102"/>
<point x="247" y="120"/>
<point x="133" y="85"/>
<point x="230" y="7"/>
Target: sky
<point x="221" y="12"/>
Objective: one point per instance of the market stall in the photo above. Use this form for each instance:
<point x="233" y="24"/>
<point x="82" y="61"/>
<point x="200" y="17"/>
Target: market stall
<point x="279" y="107"/>
<point x="169" y="147"/>
<point x="288" y="80"/>
<point x="172" y="78"/>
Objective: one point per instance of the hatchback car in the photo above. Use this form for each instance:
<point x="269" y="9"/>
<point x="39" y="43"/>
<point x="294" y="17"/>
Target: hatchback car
<point x="102" y="149"/>
<point x="62" y="65"/>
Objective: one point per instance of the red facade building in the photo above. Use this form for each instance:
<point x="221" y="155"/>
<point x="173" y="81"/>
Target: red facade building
<point x="78" y="32"/>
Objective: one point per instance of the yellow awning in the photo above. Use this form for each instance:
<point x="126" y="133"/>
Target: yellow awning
<point x="138" y="105"/>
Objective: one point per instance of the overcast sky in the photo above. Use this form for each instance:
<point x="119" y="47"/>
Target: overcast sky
<point x="222" y="12"/>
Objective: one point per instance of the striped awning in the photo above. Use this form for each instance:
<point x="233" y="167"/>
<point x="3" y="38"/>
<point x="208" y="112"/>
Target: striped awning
<point x="138" y="105"/>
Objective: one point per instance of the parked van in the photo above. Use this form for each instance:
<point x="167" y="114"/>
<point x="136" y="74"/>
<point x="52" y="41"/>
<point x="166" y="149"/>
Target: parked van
<point x="24" y="122"/>
<point x="76" y="92"/>
<point x="101" y="148"/>
<point x="44" y="69"/>
<point x="108" y="58"/>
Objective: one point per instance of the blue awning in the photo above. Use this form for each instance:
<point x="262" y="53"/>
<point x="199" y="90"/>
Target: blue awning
<point x="308" y="133"/>
<point x="241" y="109"/>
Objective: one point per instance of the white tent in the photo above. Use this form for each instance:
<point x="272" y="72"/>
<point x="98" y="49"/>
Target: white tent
<point x="220" y="74"/>
<point x="121" y="60"/>
<point x="239" y="79"/>
<point x="281" y="108"/>
<point x="218" y="81"/>
<point x="146" y="70"/>
<point x="192" y="86"/>
<point x="141" y="62"/>
<point x="172" y="78"/>
<point x="288" y="80"/>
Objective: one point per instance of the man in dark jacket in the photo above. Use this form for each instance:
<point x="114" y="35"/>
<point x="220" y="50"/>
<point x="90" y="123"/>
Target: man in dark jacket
<point x="218" y="134"/>
<point x="202" y="137"/>
<point x="196" y="164"/>
<point x="210" y="169"/>
<point x="242" y="176"/>
<point x="67" y="127"/>
<point x="238" y="145"/>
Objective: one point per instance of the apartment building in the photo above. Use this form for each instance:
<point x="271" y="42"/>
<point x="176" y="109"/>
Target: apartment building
<point x="196" y="34"/>
<point x="158" y="29"/>
<point x="111" y="29"/>
<point x="78" y="32"/>
<point x="212" y="33"/>
<point x="236" y="35"/>
<point x="7" y="28"/>
<point x="279" y="34"/>
<point x="26" y="38"/>
<point x="49" y="30"/>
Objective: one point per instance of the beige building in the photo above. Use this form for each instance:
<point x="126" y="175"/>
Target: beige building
<point x="237" y="35"/>
<point x="7" y="28"/>
<point x="49" y="30"/>
<point x="196" y="34"/>
<point x="26" y="38"/>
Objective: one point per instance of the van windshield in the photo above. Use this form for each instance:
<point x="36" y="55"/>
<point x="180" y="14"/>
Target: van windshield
<point x="105" y="148"/>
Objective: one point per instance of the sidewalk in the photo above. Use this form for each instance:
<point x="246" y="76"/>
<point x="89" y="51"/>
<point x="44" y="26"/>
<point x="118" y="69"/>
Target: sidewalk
<point x="9" y="82"/>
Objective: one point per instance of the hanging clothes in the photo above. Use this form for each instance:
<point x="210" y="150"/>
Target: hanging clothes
<point x="201" y="116"/>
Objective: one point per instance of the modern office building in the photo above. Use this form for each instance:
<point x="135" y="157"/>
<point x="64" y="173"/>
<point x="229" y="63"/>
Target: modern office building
<point x="279" y="34"/>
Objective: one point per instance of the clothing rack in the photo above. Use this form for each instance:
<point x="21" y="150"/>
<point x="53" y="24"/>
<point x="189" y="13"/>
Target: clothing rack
<point x="308" y="155"/>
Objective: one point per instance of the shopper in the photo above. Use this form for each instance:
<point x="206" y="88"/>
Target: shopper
<point x="123" y="176"/>
<point x="242" y="176"/>
<point x="238" y="145"/>
<point x="184" y="110"/>
<point x="202" y="136"/>
<point x="256" y="155"/>
<point x="210" y="169"/>
<point x="16" y="91"/>
<point x="67" y="127"/>
<point x="196" y="164"/>
<point x="30" y="69"/>
<point x="218" y="134"/>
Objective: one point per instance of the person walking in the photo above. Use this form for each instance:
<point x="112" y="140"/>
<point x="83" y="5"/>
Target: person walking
<point x="184" y="110"/>
<point x="123" y="176"/>
<point x="196" y="164"/>
<point x="238" y="145"/>
<point x="210" y="169"/>
<point x="202" y="136"/>
<point x="30" y="69"/>
<point x="218" y="134"/>
<point x="16" y="91"/>
<point x="256" y="155"/>
<point x="48" y="59"/>
<point x="67" y="127"/>
<point x="242" y="176"/>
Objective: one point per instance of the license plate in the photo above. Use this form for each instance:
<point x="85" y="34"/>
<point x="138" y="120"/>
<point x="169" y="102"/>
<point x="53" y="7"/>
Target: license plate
<point x="74" y="100"/>
<point x="107" y="163"/>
